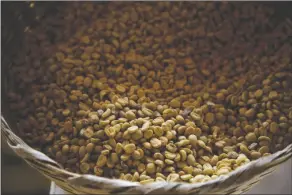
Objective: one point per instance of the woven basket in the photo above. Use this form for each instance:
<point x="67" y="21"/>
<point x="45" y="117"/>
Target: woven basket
<point x="19" y="16"/>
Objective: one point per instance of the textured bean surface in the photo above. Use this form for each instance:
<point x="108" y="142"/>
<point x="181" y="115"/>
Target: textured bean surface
<point x="157" y="91"/>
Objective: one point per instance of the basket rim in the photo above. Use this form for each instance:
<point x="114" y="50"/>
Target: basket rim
<point x="261" y="162"/>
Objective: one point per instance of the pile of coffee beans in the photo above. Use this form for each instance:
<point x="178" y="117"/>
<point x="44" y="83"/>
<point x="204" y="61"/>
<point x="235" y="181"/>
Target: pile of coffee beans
<point x="155" y="91"/>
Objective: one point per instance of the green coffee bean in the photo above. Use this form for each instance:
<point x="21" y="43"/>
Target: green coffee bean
<point x="129" y="148"/>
